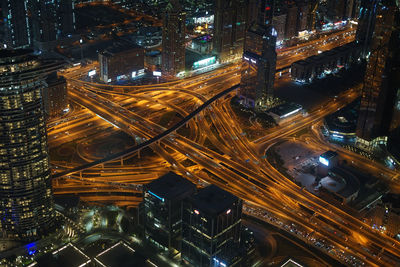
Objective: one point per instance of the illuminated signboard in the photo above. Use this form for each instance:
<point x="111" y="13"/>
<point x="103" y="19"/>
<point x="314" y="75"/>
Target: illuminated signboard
<point x="157" y="73"/>
<point x="204" y="62"/>
<point x="324" y="161"/>
<point x="92" y="73"/>
<point x="205" y="19"/>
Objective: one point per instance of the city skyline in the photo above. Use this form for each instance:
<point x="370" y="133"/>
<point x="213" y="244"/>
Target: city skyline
<point x="200" y="133"/>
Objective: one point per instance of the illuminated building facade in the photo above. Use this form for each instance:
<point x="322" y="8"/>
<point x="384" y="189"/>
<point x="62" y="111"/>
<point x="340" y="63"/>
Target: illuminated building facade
<point x="55" y="97"/>
<point x="163" y="210"/>
<point x="121" y="61"/>
<point x="44" y="23"/>
<point x="377" y="115"/>
<point x="66" y="17"/>
<point x="16" y="26"/>
<point x="173" y="39"/>
<point x="26" y="203"/>
<point x="259" y="58"/>
<point x="211" y="228"/>
<point x="229" y="28"/>
<point x="39" y="23"/>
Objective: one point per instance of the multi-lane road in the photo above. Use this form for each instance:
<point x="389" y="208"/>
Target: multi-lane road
<point x="231" y="161"/>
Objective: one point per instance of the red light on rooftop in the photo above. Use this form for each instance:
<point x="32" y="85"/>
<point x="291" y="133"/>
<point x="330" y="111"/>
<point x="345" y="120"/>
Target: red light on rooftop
<point x="267" y="8"/>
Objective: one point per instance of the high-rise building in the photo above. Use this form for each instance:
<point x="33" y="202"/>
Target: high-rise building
<point x="252" y="11"/>
<point x="43" y="17"/>
<point x="211" y="228"/>
<point x="55" y="97"/>
<point x="39" y="23"/>
<point x="302" y="16"/>
<point x="291" y="20"/>
<point x="16" y="32"/>
<point x="26" y="203"/>
<point x="65" y="17"/>
<point x="350" y="8"/>
<point x="173" y="39"/>
<point x="163" y="210"/>
<point x="258" y="73"/>
<point x="337" y="10"/>
<point x="366" y="24"/>
<point x="230" y="18"/>
<point x="378" y="113"/>
<point x="121" y="61"/>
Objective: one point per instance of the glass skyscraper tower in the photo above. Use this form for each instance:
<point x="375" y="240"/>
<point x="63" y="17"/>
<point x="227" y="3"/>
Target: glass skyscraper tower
<point x="26" y="203"/>
<point x="378" y="110"/>
<point x="173" y="39"/>
<point x="259" y="58"/>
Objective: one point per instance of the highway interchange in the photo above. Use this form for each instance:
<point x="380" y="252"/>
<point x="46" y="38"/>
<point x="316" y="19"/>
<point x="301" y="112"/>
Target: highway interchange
<point x="232" y="161"/>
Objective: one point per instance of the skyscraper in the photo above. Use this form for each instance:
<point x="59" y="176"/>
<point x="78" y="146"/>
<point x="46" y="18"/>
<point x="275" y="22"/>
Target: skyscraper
<point x="65" y="17"/>
<point x="26" y="203"/>
<point x="211" y="228"/>
<point x="378" y="116"/>
<point x="55" y="96"/>
<point x="163" y="210"/>
<point x="337" y="10"/>
<point x="39" y="23"/>
<point x="43" y="18"/>
<point x="173" y="39"/>
<point x="15" y="23"/>
<point x="291" y="20"/>
<point x="258" y="73"/>
<point x="229" y="28"/>
<point x="366" y="23"/>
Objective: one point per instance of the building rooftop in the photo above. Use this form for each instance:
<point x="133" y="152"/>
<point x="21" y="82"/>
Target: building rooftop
<point x="260" y="29"/>
<point x="286" y="109"/>
<point x="344" y="120"/>
<point x="301" y="62"/>
<point x="66" y="256"/>
<point x="213" y="200"/>
<point x="329" y="154"/>
<point x="352" y="183"/>
<point x="171" y="186"/>
<point x="119" y="255"/>
<point x="120" y="47"/>
<point x="149" y="31"/>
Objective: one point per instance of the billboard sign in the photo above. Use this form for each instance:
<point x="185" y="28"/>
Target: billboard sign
<point x="92" y="73"/>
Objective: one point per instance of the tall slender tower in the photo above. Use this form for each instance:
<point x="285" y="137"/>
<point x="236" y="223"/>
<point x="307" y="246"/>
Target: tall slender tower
<point x="26" y="203"/>
<point x="377" y="116"/>
<point x="259" y="60"/>
<point x="43" y="18"/>
<point x="173" y="39"/>
<point x="366" y="24"/>
<point x="229" y="28"/>
<point x="65" y="16"/>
